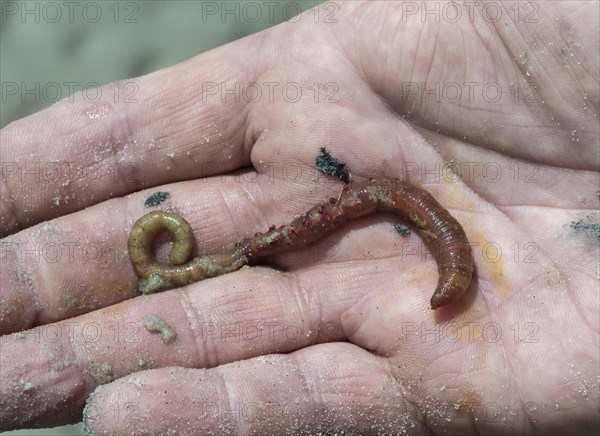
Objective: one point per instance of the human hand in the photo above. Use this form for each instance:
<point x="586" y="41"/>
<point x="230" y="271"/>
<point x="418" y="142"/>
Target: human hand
<point x="342" y="339"/>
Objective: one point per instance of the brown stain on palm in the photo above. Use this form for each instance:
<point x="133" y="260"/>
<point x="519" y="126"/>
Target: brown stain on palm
<point x="493" y="264"/>
<point x="468" y="401"/>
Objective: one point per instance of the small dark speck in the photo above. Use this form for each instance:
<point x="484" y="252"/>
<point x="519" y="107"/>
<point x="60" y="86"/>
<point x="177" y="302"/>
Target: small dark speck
<point x="156" y="198"/>
<point x="598" y="193"/>
<point x="592" y="230"/>
<point x="329" y="165"/>
<point x="402" y="229"/>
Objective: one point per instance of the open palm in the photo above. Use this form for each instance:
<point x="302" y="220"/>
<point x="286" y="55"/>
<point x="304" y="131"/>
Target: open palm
<point x="496" y="118"/>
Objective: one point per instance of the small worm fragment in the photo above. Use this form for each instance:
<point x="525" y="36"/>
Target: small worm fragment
<point x="442" y="233"/>
<point x="154" y="323"/>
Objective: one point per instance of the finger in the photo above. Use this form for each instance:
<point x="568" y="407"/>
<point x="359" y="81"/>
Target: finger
<point x="166" y="126"/>
<point x="332" y="388"/>
<point x="240" y="315"/>
<point x="58" y="270"/>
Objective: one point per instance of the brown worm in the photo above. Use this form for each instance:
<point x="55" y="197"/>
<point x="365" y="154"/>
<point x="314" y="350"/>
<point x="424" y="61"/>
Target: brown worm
<point x="443" y="234"/>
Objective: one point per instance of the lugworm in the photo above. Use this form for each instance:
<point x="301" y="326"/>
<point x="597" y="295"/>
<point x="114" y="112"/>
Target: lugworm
<point x="443" y="234"/>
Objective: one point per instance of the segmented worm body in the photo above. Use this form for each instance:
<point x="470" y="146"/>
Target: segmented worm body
<point x="443" y="234"/>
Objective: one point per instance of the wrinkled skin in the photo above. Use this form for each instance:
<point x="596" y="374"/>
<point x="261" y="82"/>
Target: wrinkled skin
<point x="340" y="336"/>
